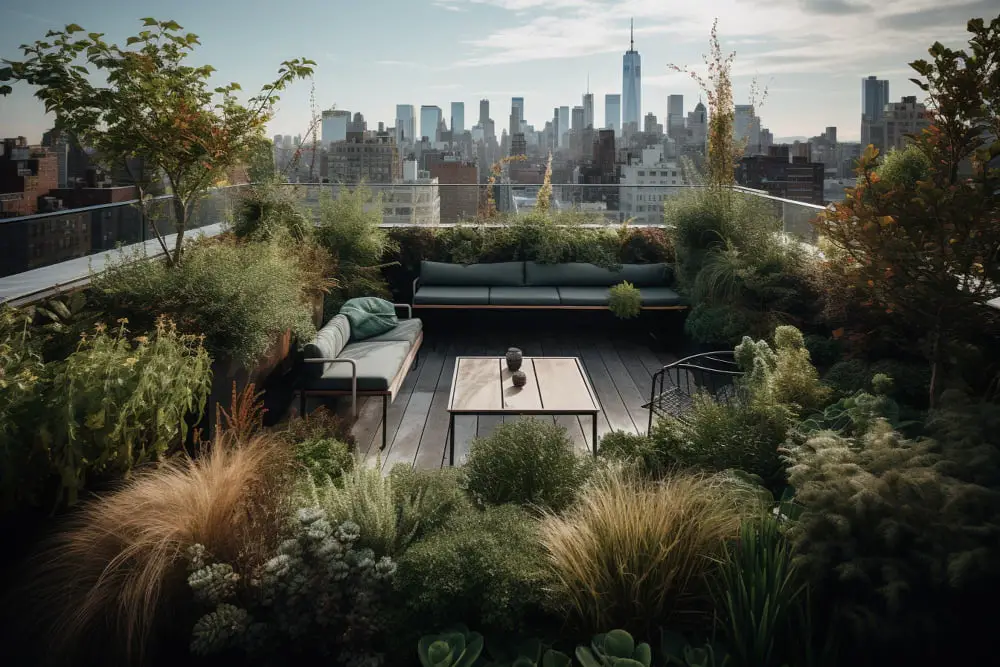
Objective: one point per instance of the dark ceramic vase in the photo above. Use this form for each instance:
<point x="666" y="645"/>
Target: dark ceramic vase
<point x="514" y="358"/>
<point x="519" y="378"/>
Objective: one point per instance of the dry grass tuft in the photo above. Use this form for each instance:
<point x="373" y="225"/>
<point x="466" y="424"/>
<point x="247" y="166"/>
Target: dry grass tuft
<point x="116" y="575"/>
<point x="631" y="552"/>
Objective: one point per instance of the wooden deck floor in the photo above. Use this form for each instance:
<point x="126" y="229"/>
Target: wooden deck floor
<point x="620" y="367"/>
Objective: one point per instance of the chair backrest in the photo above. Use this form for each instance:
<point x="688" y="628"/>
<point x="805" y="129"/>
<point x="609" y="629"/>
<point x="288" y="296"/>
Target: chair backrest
<point x="496" y="274"/>
<point x="328" y="344"/>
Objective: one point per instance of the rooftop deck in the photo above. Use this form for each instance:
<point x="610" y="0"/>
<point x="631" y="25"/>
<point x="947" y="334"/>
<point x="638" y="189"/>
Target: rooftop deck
<point x="620" y="359"/>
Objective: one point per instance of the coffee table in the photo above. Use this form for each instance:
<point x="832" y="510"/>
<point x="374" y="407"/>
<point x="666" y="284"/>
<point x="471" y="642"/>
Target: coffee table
<point x="556" y="386"/>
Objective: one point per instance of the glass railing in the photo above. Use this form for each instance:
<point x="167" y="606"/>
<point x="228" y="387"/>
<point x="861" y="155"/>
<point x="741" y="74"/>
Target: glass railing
<point x="32" y="242"/>
<point x="36" y="241"/>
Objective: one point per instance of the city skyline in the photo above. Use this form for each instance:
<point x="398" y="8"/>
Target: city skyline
<point x="810" y="53"/>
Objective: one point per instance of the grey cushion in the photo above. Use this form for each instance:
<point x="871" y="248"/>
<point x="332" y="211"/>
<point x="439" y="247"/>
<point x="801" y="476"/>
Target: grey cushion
<point x="378" y="364"/>
<point x="660" y="296"/>
<point x="498" y="274"/>
<point x="435" y="295"/>
<point x="584" y="296"/>
<point x="406" y="330"/>
<point x="524" y="296"/>
<point x="579" y="274"/>
<point x="328" y="344"/>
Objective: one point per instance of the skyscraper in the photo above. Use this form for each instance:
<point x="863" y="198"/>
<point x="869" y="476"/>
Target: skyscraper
<point x="874" y="97"/>
<point x="516" y="114"/>
<point x="576" y="121"/>
<point x="457" y="118"/>
<point x="631" y="85"/>
<point x="484" y="112"/>
<point x="564" y="126"/>
<point x="406" y="124"/>
<point x="430" y="119"/>
<point x="613" y="113"/>
<point x="588" y="109"/>
<point x="333" y="125"/>
<point x="675" y="116"/>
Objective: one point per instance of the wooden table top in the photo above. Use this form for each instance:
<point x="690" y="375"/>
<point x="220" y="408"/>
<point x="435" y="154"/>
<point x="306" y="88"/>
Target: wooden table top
<point x="483" y="385"/>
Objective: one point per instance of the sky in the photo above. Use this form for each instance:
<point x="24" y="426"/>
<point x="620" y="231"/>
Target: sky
<point x="810" y="54"/>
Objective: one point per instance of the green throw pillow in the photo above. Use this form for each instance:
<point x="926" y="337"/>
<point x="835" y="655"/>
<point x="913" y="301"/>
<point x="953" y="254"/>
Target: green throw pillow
<point x="369" y="316"/>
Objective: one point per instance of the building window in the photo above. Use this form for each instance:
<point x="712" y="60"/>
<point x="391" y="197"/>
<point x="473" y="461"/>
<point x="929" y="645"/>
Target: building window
<point x="642" y="173"/>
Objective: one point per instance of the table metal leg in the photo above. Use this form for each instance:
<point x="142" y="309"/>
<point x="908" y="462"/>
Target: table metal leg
<point x="594" y="417"/>
<point x="451" y="439"/>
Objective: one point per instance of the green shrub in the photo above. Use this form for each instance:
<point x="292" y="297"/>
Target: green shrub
<point x="848" y="376"/>
<point x="324" y="458"/>
<point x="635" y="554"/>
<point x="269" y="211"/>
<point x="911" y="380"/>
<point x="903" y="168"/>
<point x="645" y="245"/>
<point x="527" y="462"/>
<point x="759" y="596"/>
<point x="239" y="295"/>
<point x="319" y="424"/>
<point x="824" y="351"/>
<point x="892" y="536"/>
<point x="721" y="325"/>
<point x="116" y="403"/>
<point x="631" y="448"/>
<point x="392" y="510"/>
<point x="624" y="300"/>
<point x="319" y="596"/>
<point x="484" y="567"/>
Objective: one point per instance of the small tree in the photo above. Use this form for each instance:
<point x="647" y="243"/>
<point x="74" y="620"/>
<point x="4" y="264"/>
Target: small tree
<point x="927" y="251"/>
<point x="544" y="199"/>
<point x="151" y="105"/>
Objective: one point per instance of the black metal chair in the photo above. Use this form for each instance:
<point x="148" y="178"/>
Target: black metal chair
<point x="676" y="384"/>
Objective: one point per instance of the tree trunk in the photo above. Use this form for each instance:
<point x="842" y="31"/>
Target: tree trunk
<point x="146" y="219"/>
<point x="180" y="218"/>
<point x="935" y="363"/>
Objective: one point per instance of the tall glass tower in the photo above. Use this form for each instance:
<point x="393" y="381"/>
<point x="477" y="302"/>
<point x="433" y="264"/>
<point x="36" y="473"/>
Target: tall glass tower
<point x="613" y="113"/>
<point x="631" y="85"/>
<point x="457" y="118"/>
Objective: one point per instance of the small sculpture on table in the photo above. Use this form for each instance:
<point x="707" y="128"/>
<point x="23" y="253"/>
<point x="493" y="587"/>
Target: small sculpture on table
<point x="514" y="358"/>
<point x="519" y="378"/>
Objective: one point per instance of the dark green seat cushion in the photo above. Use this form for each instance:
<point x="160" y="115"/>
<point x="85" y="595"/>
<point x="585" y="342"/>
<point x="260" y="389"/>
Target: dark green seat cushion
<point x="406" y="330"/>
<point x="369" y="316"/>
<point x="579" y="274"/>
<point x="378" y="364"/>
<point x="584" y="296"/>
<point x="524" y="296"/>
<point x="497" y="274"/>
<point x="328" y="344"/>
<point x="442" y="295"/>
<point x="660" y="296"/>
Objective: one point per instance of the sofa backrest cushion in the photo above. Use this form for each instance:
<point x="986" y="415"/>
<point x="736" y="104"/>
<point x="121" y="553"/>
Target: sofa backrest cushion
<point x="579" y="274"/>
<point x="369" y="316"/>
<point x="498" y="274"/>
<point x="328" y="344"/>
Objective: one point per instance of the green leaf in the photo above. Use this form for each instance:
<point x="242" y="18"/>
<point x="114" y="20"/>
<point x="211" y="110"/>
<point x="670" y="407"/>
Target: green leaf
<point x="148" y="21"/>
<point x="72" y="27"/>
<point x="170" y="25"/>
<point x="132" y="40"/>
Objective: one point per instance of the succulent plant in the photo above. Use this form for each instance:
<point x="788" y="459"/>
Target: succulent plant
<point x="519" y="378"/>
<point x="614" y="649"/>
<point x="677" y="651"/>
<point x="526" y="653"/>
<point x="514" y="358"/>
<point x="455" y="648"/>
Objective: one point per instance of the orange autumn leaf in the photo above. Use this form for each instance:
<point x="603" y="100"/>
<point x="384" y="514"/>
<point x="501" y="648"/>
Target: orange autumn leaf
<point x="837" y="333"/>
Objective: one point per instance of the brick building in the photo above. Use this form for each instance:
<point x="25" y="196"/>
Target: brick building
<point x="459" y="187"/>
<point x="26" y="175"/>
<point x="797" y="178"/>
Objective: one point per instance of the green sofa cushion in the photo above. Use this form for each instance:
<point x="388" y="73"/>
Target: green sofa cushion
<point x="524" y="296"/>
<point x="584" y="296"/>
<point x="579" y="274"/>
<point x="660" y="296"/>
<point x="440" y="295"/>
<point x="328" y="344"/>
<point x="498" y="274"/>
<point x="378" y="364"/>
<point x="406" y="330"/>
<point x="369" y="316"/>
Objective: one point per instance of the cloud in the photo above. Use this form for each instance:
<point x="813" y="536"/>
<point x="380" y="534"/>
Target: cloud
<point x="833" y="6"/>
<point x="937" y="16"/>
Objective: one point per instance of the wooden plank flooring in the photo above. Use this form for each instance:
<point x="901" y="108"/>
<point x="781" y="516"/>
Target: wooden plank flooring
<point x="620" y="369"/>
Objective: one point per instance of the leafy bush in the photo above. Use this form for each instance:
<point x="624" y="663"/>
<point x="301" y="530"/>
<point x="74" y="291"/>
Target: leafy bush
<point x="319" y="424"/>
<point x="717" y="324"/>
<point x="268" y="211"/>
<point x="631" y="448"/>
<point x="484" y="567"/>
<point x="782" y="374"/>
<point x="109" y="583"/>
<point x="893" y="536"/>
<point x="318" y="597"/>
<point x="324" y="458"/>
<point x="903" y="168"/>
<point x="759" y="596"/>
<point x="21" y="382"/>
<point x="392" y="511"/>
<point x="239" y="295"/>
<point x="824" y="351"/>
<point x="645" y="245"/>
<point x="528" y="462"/>
<point x="910" y="380"/>
<point x="624" y="300"/>
<point x="633" y="553"/>
<point x="116" y="403"/>
<point x="848" y="376"/>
